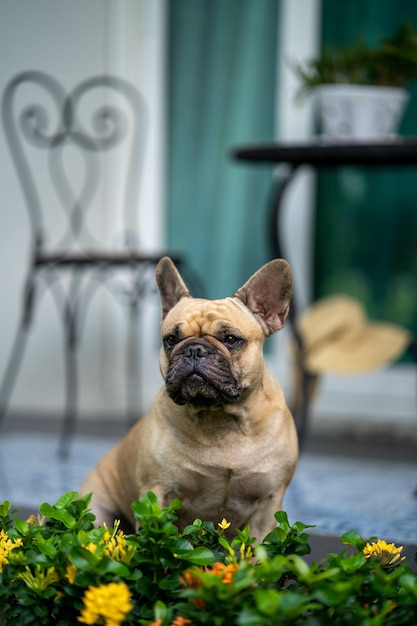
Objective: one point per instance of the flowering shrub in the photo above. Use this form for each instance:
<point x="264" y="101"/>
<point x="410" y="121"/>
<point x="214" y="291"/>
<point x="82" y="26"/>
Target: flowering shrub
<point x="58" y="569"/>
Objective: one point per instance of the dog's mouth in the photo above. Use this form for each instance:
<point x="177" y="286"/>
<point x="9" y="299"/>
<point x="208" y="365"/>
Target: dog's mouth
<point x="198" y="374"/>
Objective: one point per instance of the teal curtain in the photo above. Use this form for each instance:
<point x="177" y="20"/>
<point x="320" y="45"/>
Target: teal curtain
<point x="366" y="226"/>
<point x="222" y="81"/>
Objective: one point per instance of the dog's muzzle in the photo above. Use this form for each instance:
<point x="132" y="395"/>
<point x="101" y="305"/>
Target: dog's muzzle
<point x="200" y="374"/>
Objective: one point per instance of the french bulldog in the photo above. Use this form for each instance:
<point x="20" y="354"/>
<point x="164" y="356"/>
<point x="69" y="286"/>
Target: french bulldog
<point x="219" y="435"/>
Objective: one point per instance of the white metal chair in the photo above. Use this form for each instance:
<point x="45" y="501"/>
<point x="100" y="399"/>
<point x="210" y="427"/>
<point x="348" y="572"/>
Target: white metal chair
<point x="76" y="263"/>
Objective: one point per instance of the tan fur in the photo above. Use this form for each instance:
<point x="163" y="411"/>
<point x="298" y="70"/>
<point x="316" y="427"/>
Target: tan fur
<point x="222" y="459"/>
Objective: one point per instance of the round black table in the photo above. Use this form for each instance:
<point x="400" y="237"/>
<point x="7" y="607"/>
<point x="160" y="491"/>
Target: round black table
<point x="398" y="152"/>
<point x="321" y="154"/>
<point x="325" y="154"/>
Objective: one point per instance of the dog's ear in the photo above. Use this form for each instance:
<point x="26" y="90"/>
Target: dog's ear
<point x="170" y="284"/>
<point x="268" y="294"/>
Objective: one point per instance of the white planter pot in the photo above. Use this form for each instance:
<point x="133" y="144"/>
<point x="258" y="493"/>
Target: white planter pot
<point x="359" y="112"/>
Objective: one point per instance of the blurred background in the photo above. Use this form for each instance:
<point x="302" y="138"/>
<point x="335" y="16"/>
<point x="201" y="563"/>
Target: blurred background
<point x="215" y="75"/>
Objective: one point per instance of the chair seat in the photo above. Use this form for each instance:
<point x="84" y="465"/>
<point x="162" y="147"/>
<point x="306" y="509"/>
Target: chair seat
<point x="98" y="257"/>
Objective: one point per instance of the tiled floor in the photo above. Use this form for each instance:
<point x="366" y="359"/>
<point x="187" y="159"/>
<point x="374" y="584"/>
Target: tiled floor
<point x="334" y="491"/>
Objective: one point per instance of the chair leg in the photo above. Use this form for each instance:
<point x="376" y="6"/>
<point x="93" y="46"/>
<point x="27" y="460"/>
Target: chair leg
<point x="71" y="400"/>
<point x="19" y="345"/>
<point x="12" y="369"/>
<point x="134" y="406"/>
<point x="305" y="386"/>
<point x="308" y="384"/>
<point x="71" y="323"/>
<point x="412" y="350"/>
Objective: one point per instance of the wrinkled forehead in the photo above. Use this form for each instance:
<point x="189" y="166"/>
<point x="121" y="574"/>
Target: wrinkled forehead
<point x="198" y="316"/>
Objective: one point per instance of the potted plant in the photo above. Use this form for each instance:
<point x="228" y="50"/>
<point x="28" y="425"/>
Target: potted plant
<point x="58" y="569"/>
<point x="360" y="91"/>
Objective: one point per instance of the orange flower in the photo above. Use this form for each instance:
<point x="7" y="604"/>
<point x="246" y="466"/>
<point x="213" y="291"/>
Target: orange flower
<point x="190" y="580"/>
<point x="228" y="575"/>
<point x="199" y="603"/>
<point x="180" y="621"/>
<point x="224" y="571"/>
<point x="217" y="569"/>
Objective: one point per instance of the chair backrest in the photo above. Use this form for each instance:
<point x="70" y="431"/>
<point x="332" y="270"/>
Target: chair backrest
<point x="58" y="141"/>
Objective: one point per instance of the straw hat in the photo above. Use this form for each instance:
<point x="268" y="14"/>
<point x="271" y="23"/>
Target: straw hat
<point x="339" y="338"/>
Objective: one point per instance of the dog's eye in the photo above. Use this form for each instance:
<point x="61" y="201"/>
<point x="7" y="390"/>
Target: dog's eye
<point x="231" y="340"/>
<point x="170" y="341"/>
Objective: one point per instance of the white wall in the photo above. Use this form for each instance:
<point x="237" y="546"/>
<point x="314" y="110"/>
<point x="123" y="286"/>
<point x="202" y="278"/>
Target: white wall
<point x="77" y="39"/>
<point x="73" y="41"/>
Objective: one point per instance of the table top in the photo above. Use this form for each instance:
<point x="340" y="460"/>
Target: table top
<point x="320" y="153"/>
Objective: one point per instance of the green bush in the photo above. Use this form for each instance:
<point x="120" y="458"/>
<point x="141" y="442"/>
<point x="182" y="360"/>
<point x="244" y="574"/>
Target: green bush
<point x="59" y="569"/>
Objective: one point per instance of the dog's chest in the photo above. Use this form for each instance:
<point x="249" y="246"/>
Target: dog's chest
<point x="215" y="494"/>
<point x="204" y="485"/>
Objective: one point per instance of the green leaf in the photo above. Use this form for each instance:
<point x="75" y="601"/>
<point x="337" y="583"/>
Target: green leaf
<point x="21" y="526"/>
<point x="175" y="504"/>
<point x="267" y="600"/>
<point x="60" y="515"/>
<point x="281" y="532"/>
<point x="151" y="499"/>
<point x="108" y="566"/>
<point x="300" y="566"/>
<point x="292" y="604"/>
<point x="250" y="617"/>
<point x="327" y="594"/>
<point x="169" y="529"/>
<point x="281" y="517"/>
<point x="46" y="547"/>
<point x="4" y="508"/>
<point x="141" y="509"/>
<point x="188" y="530"/>
<point x="160" y="610"/>
<point x="96" y="535"/>
<point x="199" y="556"/>
<point x="331" y="572"/>
<point x="351" y="538"/>
<point x="299" y="526"/>
<point x="409" y="581"/>
<point x="82" y="558"/>
<point x="243" y="536"/>
<point x="197" y="523"/>
<point x="353" y="562"/>
<point x="66" y="499"/>
<point x="224" y="543"/>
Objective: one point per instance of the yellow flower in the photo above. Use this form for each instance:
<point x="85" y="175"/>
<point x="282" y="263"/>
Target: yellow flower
<point x="116" y="546"/>
<point x="110" y="602"/>
<point x="224" y="524"/>
<point x="70" y="573"/>
<point x="91" y="547"/>
<point x="6" y="545"/>
<point x="388" y="553"/>
<point x="113" y="545"/>
<point x="36" y="519"/>
<point x="246" y="552"/>
<point x="41" y="579"/>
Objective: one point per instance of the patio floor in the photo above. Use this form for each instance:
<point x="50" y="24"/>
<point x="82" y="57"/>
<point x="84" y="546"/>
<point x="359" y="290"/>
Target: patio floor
<point x="338" y="485"/>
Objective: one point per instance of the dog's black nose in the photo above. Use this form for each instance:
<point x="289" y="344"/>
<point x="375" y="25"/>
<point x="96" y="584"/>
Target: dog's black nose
<point x="195" y="352"/>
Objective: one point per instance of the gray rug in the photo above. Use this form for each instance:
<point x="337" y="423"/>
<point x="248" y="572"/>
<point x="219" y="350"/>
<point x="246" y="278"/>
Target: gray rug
<point x="335" y="494"/>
